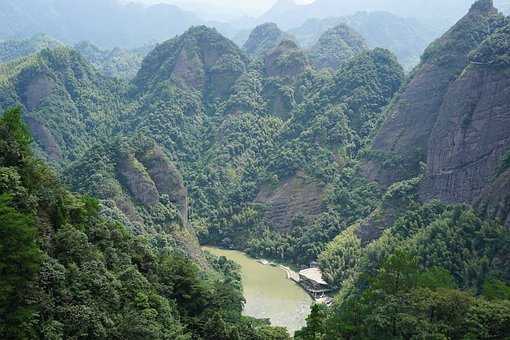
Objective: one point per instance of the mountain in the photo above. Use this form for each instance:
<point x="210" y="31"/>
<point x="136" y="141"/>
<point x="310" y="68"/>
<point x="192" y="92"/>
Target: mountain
<point x="395" y="185"/>
<point x="106" y="23"/>
<point x="444" y="115"/>
<point x="336" y="46"/>
<point x="264" y="38"/>
<point x="200" y="60"/>
<point x="288" y="14"/>
<point x="102" y="280"/>
<point x="66" y="102"/>
<point x="15" y="49"/>
<point x="407" y="38"/>
<point x="118" y="62"/>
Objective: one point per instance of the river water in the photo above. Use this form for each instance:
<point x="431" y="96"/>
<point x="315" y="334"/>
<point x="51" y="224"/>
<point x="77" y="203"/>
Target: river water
<point x="268" y="292"/>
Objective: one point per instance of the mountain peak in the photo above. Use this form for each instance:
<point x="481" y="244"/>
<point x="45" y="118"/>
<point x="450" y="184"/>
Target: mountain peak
<point x="336" y="46"/>
<point x="264" y="38"/>
<point x="201" y="60"/>
<point x="483" y="6"/>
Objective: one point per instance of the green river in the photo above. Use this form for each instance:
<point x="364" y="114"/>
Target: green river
<point x="268" y="292"/>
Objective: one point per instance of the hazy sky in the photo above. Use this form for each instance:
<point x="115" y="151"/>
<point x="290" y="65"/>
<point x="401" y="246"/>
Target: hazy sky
<point x="253" y="7"/>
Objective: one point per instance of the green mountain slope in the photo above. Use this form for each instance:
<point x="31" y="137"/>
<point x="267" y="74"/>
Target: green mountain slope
<point x="15" y="49"/>
<point x="264" y="38"/>
<point x="335" y="46"/>
<point x="68" y="272"/>
<point x="67" y="103"/>
<point x="119" y="63"/>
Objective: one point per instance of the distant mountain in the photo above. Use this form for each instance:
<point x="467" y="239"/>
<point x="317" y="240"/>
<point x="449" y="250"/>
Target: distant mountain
<point x="336" y="46"/>
<point x="407" y="38"/>
<point x="442" y="13"/>
<point x="118" y="62"/>
<point x="14" y="49"/>
<point x="264" y="38"/>
<point x="106" y="23"/>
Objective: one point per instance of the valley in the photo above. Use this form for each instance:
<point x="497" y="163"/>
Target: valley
<point x="366" y="145"/>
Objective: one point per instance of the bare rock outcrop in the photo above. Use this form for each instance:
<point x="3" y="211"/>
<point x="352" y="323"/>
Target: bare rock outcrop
<point x="405" y="136"/>
<point x="454" y="115"/>
<point x="298" y="196"/>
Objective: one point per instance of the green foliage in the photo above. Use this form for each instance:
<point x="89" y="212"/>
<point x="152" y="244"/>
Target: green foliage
<point x="494" y="289"/>
<point x="15" y="49"/>
<point x="71" y="273"/>
<point x="478" y="25"/>
<point x="400" y="301"/>
<point x="336" y="46"/>
<point x="117" y="63"/>
<point x="315" y="324"/>
<point x="20" y="261"/>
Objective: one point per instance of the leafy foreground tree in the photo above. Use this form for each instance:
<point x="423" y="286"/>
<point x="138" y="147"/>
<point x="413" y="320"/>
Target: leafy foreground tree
<point x="67" y="273"/>
<point x="403" y="302"/>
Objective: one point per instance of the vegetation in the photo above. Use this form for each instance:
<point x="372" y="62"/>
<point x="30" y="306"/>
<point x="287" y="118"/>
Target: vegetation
<point x="193" y="146"/>
<point x="14" y="49"/>
<point x="69" y="273"/>
<point x="336" y="46"/>
<point x="402" y="301"/>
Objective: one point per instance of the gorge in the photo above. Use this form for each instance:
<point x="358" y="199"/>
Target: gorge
<point x="308" y="146"/>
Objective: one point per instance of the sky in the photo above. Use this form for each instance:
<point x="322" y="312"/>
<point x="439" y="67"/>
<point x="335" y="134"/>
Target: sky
<point x="244" y="7"/>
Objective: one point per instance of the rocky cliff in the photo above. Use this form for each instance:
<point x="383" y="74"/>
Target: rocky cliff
<point x="297" y="197"/>
<point x="64" y="99"/>
<point x="136" y="179"/>
<point x="200" y="60"/>
<point x="454" y="116"/>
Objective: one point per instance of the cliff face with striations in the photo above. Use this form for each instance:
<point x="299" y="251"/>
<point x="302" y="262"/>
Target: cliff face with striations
<point x="297" y="197"/>
<point x="454" y="116"/>
<point x="137" y="179"/>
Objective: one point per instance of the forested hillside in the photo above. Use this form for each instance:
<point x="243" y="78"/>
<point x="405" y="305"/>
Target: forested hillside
<point x="396" y="185"/>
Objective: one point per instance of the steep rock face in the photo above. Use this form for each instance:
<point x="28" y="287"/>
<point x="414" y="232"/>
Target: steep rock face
<point x="64" y="99"/>
<point x="44" y="138"/>
<point x="336" y="46"/>
<point x="137" y="180"/>
<point x="298" y="196"/>
<point x="403" y="140"/>
<point x="264" y="38"/>
<point x="468" y="157"/>
<point x="470" y="136"/>
<point x="200" y="60"/>
<point x="454" y="116"/>
<point x="495" y="199"/>
<point x="167" y="178"/>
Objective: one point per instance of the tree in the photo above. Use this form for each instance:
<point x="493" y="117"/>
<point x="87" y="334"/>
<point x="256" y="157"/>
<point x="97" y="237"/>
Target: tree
<point x="20" y="260"/>
<point x="315" y="324"/>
